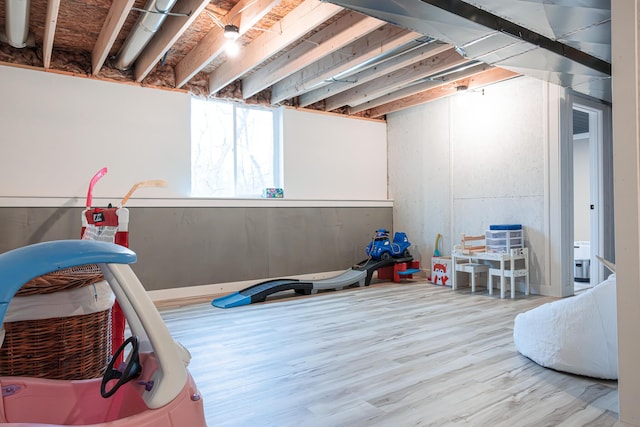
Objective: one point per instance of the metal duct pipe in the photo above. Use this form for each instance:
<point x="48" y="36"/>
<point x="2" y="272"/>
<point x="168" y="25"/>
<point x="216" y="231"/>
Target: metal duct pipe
<point x="146" y="26"/>
<point x="17" y="22"/>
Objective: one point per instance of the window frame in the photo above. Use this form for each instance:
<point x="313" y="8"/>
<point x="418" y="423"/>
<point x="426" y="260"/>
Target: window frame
<point x="276" y="161"/>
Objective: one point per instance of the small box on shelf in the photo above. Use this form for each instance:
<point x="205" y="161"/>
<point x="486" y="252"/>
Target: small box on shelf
<point x="273" y="193"/>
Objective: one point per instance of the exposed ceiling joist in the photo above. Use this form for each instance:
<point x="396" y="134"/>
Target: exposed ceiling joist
<point x="575" y="49"/>
<point x="246" y="12"/>
<point x="53" y="7"/>
<point x="396" y="80"/>
<point x="446" y="77"/>
<point x="490" y="76"/>
<point x="172" y="29"/>
<point x="112" y="25"/>
<point x="320" y="72"/>
<point x="340" y="33"/>
<point x="490" y="20"/>
<point x="371" y="58"/>
<point x="405" y="56"/>
<point x="291" y="28"/>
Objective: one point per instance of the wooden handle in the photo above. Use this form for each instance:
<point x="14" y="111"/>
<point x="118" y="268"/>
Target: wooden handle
<point x="142" y="184"/>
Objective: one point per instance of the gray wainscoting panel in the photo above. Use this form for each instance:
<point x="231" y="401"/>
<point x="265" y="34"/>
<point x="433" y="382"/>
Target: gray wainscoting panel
<point x="22" y="226"/>
<point x="180" y="247"/>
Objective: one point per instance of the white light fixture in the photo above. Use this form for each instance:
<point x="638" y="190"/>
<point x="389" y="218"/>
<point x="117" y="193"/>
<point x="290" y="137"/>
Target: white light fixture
<point x="231" y="32"/>
<point x="232" y="48"/>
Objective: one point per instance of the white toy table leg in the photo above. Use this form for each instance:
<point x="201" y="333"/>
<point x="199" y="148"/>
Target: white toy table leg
<point x="502" y="278"/>
<point x="453" y="272"/>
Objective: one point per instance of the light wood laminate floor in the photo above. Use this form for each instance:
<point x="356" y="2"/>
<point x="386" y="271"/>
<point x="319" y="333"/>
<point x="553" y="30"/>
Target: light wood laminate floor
<point x="404" y="354"/>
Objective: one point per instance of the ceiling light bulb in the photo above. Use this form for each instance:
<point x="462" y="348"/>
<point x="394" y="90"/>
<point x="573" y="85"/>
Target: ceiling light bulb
<point x="232" y="48"/>
<point x="231" y="32"/>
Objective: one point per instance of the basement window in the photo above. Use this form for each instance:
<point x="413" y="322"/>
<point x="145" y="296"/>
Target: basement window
<point x="235" y="149"/>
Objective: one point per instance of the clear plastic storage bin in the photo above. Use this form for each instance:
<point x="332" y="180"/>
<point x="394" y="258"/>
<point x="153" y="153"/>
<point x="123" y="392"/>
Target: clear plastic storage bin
<point x="502" y="241"/>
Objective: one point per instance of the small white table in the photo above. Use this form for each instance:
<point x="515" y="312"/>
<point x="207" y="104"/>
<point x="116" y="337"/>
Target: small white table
<point x="507" y="267"/>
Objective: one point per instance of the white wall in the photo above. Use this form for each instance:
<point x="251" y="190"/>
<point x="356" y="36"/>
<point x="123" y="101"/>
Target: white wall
<point x="58" y="130"/>
<point x="334" y="157"/>
<point x="625" y="27"/>
<point x="462" y="163"/>
<point x="419" y="176"/>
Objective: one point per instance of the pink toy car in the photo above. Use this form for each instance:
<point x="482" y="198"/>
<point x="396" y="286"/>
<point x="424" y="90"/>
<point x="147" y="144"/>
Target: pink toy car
<point x="151" y="388"/>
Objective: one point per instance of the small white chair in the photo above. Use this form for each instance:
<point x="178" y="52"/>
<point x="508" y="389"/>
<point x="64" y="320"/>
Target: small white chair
<point x="470" y="245"/>
<point x="512" y="273"/>
<point x="473" y="269"/>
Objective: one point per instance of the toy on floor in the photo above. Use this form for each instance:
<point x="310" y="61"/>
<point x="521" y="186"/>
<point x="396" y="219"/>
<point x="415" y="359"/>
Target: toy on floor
<point x="360" y="274"/>
<point x="436" y="251"/>
<point x="439" y="273"/>
<point x="388" y="267"/>
<point x="111" y="225"/>
<point x="402" y="269"/>
<point x="151" y="388"/>
<point x="381" y="247"/>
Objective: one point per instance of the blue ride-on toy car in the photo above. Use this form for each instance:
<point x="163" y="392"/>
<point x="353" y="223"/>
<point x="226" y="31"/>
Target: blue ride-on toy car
<point x="381" y="247"/>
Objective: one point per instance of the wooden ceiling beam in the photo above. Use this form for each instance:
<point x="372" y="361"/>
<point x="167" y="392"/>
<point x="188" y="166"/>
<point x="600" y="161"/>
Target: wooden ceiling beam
<point x="421" y="87"/>
<point x="378" y="70"/>
<point x="118" y="13"/>
<point x="49" y="31"/>
<point x="490" y="76"/>
<point x="171" y="30"/>
<point x="322" y="71"/>
<point x="396" y="80"/>
<point x="290" y="29"/>
<point x="340" y="33"/>
<point x="245" y="14"/>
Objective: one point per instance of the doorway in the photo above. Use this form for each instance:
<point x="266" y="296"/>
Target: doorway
<point x="585" y="193"/>
<point x="592" y="179"/>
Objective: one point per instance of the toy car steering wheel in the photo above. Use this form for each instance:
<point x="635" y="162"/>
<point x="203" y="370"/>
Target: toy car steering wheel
<point x="132" y="368"/>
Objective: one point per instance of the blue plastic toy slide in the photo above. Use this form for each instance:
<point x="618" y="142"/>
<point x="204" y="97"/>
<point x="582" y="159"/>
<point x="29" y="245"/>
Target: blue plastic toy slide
<point x="360" y="275"/>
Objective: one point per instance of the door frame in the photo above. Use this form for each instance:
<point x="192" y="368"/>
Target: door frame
<point x="601" y="179"/>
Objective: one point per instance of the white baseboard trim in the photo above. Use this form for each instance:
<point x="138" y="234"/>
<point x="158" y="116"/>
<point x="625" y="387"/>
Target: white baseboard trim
<point x="191" y="292"/>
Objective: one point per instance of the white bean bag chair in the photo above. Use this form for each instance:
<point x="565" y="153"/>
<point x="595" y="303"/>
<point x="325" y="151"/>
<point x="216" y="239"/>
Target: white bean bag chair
<point x="577" y="334"/>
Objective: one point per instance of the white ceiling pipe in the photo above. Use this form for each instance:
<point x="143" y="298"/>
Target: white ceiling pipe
<point x="17" y="22"/>
<point x="146" y="26"/>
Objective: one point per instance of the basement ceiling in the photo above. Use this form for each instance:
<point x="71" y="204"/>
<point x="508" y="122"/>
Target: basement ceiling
<point x="357" y="57"/>
<point x="567" y="42"/>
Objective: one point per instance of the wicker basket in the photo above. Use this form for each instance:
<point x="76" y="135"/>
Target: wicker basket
<point x="75" y="347"/>
<point x="60" y="280"/>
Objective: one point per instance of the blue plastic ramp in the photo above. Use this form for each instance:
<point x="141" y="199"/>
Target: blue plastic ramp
<point x="260" y="291"/>
<point x="235" y="299"/>
<point x="409" y="271"/>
